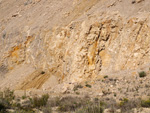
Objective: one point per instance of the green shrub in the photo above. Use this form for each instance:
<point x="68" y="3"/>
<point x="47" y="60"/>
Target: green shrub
<point x="2" y="107"/>
<point x="142" y="74"/>
<point x="105" y="76"/>
<point x="88" y="85"/>
<point x="43" y="72"/>
<point x="8" y="95"/>
<point x="24" y="97"/>
<point x="6" y="100"/>
<point x="145" y="103"/>
<point x="124" y="100"/>
<point x="39" y="101"/>
<point x="78" y="93"/>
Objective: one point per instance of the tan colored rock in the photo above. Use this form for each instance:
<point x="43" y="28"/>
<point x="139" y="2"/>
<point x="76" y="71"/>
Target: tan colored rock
<point x="90" y="40"/>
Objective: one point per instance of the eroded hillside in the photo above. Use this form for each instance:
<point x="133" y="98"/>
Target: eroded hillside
<point x="46" y="43"/>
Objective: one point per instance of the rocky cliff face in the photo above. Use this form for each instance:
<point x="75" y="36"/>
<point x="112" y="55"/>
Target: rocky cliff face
<point x="45" y="43"/>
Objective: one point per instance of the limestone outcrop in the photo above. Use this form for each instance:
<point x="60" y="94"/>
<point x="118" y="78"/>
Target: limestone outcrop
<point x="82" y="42"/>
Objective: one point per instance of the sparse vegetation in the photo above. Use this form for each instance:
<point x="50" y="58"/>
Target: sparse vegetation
<point x="76" y="87"/>
<point x="127" y="105"/>
<point x="92" y="107"/>
<point x="39" y="101"/>
<point x="145" y="103"/>
<point x="53" y="102"/>
<point x="70" y="104"/>
<point x="43" y="72"/>
<point x="115" y="94"/>
<point x="6" y="99"/>
<point x="123" y="101"/>
<point x="88" y="85"/>
<point x="2" y="107"/>
<point x="24" y="111"/>
<point x="142" y="74"/>
<point x="106" y="76"/>
<point x="66" y="104"/>
<point x="9" y="101"/>
<point x="24" y="97"/>
<point x="4" y="35"/>
<point x="47" y="109"/>
<point x="78" y="93"/>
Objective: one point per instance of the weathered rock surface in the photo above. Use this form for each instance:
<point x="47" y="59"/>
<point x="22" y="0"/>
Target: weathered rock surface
<point x="67" y="41"/>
